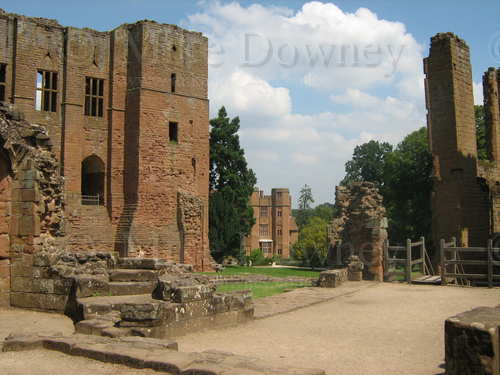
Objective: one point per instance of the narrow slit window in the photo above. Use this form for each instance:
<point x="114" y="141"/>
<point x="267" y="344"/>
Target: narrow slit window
<point x="94" y="97"/>
<point x="46" y="91"/>
<point x="3" y="75"/>
<point x="173" y="79"/>
<point x="173" y="129"/>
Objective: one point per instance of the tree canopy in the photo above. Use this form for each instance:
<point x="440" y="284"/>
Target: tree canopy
<point x="312" y="246"/>
<point x="231" y="185"/>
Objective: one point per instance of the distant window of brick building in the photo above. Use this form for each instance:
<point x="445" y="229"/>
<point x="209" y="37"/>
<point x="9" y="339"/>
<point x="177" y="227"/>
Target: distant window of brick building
<point x="46" y="91"/>
<point x="263" y="211"/>
<point x="173" y="129"/>
<point x="279" y="212"/>
<point x="173" y="79"/>
<point x="264" y="230"/>
<point x="279" y="194"/>
<point x="280" y="231"/>
<point x="280" y="251"/>
<point x="266" y="247"/>
<point x="3" y="76"/>
<point x="94" y="97"/>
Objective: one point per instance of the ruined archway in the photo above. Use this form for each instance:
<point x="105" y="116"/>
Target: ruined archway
<point x="93" y="181"/>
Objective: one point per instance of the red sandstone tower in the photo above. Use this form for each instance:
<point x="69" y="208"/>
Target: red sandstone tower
<point x="127" y="114"/>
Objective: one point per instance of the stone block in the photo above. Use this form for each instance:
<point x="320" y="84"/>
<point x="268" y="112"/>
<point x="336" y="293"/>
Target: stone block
<point x="192" y="293"/>
<point x="332" y="278"/>
<point x="4" y="246"/>
<point x="470" y="342"/>
<point x="38" y="301"/>
<point x="22" y="284"/>
<point x="141" y="311"/>
<point x="88" y="286"/>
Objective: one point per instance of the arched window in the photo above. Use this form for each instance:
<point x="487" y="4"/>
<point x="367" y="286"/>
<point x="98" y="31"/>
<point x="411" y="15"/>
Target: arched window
<point x="92" y="181"/>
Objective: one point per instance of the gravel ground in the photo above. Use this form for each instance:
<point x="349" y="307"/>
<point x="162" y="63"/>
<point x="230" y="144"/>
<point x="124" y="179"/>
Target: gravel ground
<point x="369" y="329"/>
<point x="384" y="329"/>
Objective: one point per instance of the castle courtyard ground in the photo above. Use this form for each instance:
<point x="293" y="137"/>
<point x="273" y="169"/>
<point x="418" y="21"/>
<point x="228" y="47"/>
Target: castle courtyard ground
<point x="360" y="328"/>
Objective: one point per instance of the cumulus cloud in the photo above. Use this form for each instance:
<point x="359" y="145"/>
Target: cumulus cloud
<point x="263" y="58"/>
<point x="478" y="93"/>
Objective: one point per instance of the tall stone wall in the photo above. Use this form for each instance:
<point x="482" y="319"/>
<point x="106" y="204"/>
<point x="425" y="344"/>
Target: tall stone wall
<point x="153" y="75"/>
<point x="460" y="203"/>
<point x="360" y="227"/>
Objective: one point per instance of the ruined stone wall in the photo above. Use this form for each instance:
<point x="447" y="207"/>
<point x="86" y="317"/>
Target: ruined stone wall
<point x="360" y="227"/>
<point x="143" y="169"/>
<point x="460" y="205"/>
<point x="33" y="214"/>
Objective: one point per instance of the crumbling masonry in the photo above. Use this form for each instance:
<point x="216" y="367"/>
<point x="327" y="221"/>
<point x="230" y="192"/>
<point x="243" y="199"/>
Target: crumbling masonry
<point x="118" y="158"/>
<point x="359" y="228"/>
<point x="466" y="194"/>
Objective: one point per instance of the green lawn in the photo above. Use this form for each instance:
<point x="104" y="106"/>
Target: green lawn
<point x="260" y="290"/>
<point x="268" y="271"/>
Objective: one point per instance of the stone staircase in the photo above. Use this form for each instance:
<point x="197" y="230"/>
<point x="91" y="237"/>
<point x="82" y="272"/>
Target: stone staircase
<point x="152" y="298"/>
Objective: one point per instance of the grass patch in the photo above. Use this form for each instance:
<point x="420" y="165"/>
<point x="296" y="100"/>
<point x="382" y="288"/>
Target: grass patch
<point x="263" y="289"/>
<point x="268" y="271"/>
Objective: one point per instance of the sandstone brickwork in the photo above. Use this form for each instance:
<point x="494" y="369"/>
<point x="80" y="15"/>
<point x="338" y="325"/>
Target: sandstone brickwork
<point x="359" y="228"/>
<point x="275" y="229"/>
<point x="122" y="118"/>
<point x="465" y="197"/>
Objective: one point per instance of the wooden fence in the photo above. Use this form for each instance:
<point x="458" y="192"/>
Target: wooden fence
<point x="402" y="257"/>
<point x="483" y="256"/>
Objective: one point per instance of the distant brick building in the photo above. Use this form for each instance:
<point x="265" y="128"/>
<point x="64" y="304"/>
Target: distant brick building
<point x="466" y="194"/>
<point x="127" y="116"/>
<point x="275" y="230"/>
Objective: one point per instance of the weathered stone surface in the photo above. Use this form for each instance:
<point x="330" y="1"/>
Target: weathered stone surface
<point x="332" y="278"/>
<point x="470" y="342"/>
<point x="360" y="228"/>
<point x="127" y="288"/>
<point x="160" y="355"/>
<point x="133" y="275"/>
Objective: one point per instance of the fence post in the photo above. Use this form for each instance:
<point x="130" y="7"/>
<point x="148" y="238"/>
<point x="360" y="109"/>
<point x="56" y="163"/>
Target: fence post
<point x="490" y="264"/>
<point x="422" y="255"/>
<point x="443" y="263"/>
<point x="386" y="256"/>
<point x="408" y="261"/>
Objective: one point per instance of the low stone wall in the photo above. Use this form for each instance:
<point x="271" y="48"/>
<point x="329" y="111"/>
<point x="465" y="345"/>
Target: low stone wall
<point x="44" y="280"/>
<point x="472" y="342"/>
<point x="4" y="282"/>
<point x="332" y="278"/>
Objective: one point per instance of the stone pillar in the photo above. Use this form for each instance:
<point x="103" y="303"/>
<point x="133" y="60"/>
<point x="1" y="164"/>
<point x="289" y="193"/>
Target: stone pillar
<point x="492" y="113"/>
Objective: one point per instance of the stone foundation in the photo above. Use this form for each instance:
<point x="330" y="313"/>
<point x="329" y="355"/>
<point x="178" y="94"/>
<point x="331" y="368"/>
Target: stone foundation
<point x="332" y="278"/>
<point x="472" y="342"/>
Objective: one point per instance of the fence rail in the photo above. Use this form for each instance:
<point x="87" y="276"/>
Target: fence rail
<point x="457" y="264"/>
<point x="406" y="260"/>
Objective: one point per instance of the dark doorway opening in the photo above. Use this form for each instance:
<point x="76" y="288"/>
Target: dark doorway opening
<point x="93" y="181"/>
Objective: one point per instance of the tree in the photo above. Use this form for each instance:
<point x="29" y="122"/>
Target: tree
<point x="305" y="198"/>
<point x="482" y="152"/>
<point x="312" y="246"/>
<point x="231" y="185"/>
<point x="367" y="163"/>
<point x="403" y="176"/>
<point x="326" y="211"/>
<point x="407" y="188"/>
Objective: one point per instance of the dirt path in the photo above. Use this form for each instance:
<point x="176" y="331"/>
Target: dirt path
<point x="386" y="329"/>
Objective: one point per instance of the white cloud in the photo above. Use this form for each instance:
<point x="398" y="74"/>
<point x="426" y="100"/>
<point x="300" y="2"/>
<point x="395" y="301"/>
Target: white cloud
<point x="348" y="58"/>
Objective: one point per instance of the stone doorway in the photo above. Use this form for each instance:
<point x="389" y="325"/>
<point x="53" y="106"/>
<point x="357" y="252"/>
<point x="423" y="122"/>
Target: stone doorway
<point x="5" y="216"/>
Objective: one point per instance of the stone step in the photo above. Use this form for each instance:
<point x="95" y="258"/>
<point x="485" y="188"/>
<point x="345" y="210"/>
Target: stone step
<point x="133" y="275"/>
<point x="141" y="263"/>
<point x="124" y="288"/>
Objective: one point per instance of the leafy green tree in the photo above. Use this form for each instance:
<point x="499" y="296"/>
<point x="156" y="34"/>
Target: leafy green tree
<point x="312" y="246"/>
<point x="403" y="175"/>
<point x="231" y="185"/>
<point x="305" y="198"/>
<point x="482" y="152"/>
<point x="367" y="163"/>
<point x="407" y="188"/>
<point x="325" y="211"/>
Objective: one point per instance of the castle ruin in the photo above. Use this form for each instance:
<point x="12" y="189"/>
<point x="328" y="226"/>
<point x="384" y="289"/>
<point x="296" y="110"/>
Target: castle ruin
<point x="466" y="194"/>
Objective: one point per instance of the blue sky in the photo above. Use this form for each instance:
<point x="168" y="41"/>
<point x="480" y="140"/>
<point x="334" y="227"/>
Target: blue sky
<point x="300" y="123"/>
